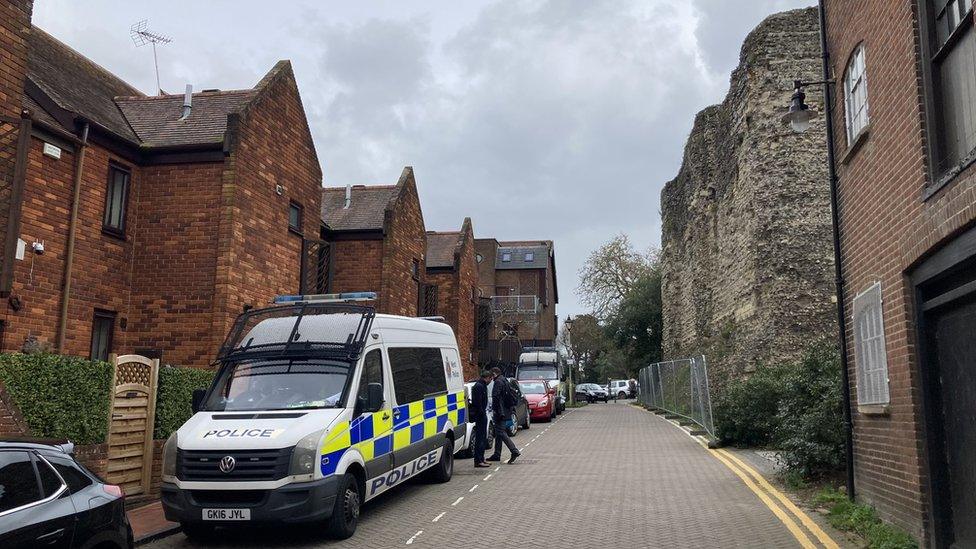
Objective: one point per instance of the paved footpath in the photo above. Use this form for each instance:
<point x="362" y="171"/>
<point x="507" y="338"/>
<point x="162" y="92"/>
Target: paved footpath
<point x="606" y="475"/>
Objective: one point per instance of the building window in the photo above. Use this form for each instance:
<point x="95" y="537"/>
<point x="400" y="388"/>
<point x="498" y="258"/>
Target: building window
<point x="415" y="269"/>
<point x="103" y="325"/>
<point x="479" y="258"/>
<point x="418" y="373"/>
<point x="295" y="217"/>
<point x="870" y="357"/>
<point x="856" y="95"/>
<point x="116" y="197"/>
<point x="952" y="71"/>
<point x="506" y="257"/>
<point x="529" y="257"/>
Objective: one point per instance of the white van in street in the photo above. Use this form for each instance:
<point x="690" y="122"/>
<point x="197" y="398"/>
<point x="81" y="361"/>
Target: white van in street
<point x="318" y="406"/>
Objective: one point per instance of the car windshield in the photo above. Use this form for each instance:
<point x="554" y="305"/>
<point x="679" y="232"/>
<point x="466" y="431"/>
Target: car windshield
<point x="279" y="384"/>
<point x="533" y="387"/>
<point x="537" y="372"/>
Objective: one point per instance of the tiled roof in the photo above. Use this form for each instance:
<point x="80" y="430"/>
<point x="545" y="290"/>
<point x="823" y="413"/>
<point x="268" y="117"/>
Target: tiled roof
<point x="440" y="248"/>
<point x="156" y="120"/>
<point x="366" y="209"/>
<point x="518" y="256"/>
<point x="77" y="84"/>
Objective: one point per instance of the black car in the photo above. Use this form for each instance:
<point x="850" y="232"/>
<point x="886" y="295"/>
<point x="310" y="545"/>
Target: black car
<point x="591" y="392"/>
<point x="520" y="419"/>
<point x="47" y="499"/>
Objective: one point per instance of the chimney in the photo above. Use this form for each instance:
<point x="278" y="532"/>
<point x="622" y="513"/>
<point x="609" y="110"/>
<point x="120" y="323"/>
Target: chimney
<point x="187" y="102"/>
<point x="348" y="197"/>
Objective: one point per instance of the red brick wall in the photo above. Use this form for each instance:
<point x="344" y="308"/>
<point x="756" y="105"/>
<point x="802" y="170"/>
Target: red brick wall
<point x="487" y="248"/>
<point x="15" y="18"/>
<point x="405" y="242"/>
<point x="465" y="302"/>
<point x="357" y="265"/>
<point x="102" y="263"/>
<point x="175" y="261"/>
<point x="261" y="257"/>
<point x="886" y="228"/>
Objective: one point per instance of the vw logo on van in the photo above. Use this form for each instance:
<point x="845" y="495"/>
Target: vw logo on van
<point x="227" y="464"/>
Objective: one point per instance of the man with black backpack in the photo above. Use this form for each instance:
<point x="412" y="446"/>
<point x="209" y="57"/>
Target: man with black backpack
<point x="503" y="402"/>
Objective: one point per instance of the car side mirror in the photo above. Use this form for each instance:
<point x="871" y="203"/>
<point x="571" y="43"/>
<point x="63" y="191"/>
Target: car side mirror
<point x="374" y="397"/>
<point x="197" y="401"/>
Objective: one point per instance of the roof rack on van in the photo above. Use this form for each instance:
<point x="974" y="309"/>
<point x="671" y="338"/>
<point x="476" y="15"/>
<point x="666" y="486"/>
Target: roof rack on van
<point x="300" y="329"/>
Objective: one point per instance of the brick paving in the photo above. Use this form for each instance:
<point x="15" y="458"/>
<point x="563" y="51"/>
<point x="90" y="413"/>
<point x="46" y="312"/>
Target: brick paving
<point x="603" y="475"/>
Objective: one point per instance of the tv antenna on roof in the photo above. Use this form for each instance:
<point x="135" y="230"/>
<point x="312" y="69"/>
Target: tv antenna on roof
<point x="141" y="35"/>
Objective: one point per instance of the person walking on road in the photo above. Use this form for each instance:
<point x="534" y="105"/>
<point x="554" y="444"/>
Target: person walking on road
<point x="503" y="406"/>
<point x="479" y="416"/>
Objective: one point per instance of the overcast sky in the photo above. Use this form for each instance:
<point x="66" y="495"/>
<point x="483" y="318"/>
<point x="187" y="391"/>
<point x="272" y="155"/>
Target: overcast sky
<point x="549" y="119"/>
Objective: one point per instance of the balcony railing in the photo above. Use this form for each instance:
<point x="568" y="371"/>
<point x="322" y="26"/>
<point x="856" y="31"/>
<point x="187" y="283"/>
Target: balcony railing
<point x="515" y="304"/>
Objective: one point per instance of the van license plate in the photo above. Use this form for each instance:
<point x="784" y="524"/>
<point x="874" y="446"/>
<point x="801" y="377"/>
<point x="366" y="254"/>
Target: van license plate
<point x="226" y="514"/>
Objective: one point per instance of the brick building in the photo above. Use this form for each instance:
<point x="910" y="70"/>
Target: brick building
<point x="904" y="114"/>
<point x="519" y="277"/>
<point x="376" y="242"/>
<point x="159" y="222"/>
<point x="453" y="270"/>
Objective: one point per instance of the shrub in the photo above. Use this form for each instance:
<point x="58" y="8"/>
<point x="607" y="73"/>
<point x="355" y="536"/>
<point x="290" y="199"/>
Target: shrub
<point x="810" y="430"/>
<point x="174" y="397"/>
<point x="863" y="520"/>
<point x="796" y="408"/>
<point x="746" y="412"/>
<point x="60" y="396"/>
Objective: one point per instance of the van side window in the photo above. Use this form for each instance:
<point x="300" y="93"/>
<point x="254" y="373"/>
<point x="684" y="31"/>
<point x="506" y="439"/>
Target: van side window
<point x="418" y="372"/>
<point x="372" y="372"/>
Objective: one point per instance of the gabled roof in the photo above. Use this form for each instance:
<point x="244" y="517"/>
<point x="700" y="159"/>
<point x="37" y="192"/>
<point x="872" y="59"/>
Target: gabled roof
<point x="76" y="84"/>
<point x="156" y="120"/>
<point x="366" y="211"/>
<point x="441" y="247"/>
<point x="522" y="257"/>
<point x="64" y="85"/>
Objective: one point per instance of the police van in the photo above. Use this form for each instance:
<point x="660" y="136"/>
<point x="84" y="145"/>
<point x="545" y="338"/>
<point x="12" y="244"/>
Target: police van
<point x="318" y="406"/>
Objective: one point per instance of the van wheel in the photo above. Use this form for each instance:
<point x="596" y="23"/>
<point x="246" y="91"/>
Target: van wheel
<point x="197" y="531"/>
<point x="345" y="514"/>
<point x="444" y="469"/>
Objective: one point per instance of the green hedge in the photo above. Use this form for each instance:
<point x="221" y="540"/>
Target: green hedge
<point x="175" y="396"/>
<point x="60" y="396"/>
<point x="794" y="408"/>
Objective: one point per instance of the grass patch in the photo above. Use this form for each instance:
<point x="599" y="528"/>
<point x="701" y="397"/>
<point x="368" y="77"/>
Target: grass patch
<point x="863" y="520"/>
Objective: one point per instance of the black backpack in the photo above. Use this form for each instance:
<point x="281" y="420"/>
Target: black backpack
<point x="510" y="398"/>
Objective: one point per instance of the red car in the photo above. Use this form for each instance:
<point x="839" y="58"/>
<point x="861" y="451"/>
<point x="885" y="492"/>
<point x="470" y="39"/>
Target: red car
<point x="541" y="397"/>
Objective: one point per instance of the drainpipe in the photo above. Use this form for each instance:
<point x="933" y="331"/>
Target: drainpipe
<point x="838" y="271"/>
<point x="69" y="249"/>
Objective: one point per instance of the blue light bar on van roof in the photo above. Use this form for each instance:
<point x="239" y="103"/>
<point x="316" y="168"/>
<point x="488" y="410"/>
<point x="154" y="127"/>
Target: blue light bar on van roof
<point x="325" y="298"/>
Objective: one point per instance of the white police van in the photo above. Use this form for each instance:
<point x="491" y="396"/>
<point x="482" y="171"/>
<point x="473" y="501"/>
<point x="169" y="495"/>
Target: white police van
<point x="318" y="406"/>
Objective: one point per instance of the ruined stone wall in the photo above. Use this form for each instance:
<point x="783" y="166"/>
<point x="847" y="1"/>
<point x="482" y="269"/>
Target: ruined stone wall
<point x="746" y="240"/>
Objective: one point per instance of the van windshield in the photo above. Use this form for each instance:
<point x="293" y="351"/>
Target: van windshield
<point x="279" y="384"/>
<point x="537" y="372"/>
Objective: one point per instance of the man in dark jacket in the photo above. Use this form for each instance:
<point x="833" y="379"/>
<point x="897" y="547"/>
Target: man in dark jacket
<point x="502" y="410"/>
<point x="479" y="416"/>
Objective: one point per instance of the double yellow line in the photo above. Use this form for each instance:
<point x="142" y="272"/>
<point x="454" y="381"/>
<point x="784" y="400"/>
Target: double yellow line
<point x="767" y="493"/>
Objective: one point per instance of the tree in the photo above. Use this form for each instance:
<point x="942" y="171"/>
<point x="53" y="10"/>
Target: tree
<point x="611" y="272"/>
<point x="636" y="326"/>
<point x="584" y="342"/>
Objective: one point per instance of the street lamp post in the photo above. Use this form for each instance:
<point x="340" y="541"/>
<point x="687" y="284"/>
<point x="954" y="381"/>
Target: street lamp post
<point x="572" y="356"/>
<point x="798" y="117"/>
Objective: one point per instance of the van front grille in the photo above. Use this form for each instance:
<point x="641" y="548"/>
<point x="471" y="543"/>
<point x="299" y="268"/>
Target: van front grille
<point x="253" y="465"/>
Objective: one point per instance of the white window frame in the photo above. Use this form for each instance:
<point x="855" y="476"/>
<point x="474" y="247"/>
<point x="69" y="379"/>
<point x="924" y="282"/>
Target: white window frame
<point x="856" y="109"/>
<point x="870" y="354"/>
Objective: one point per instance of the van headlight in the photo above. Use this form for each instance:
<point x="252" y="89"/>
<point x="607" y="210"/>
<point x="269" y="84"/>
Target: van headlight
<point x="305" y="455"/>
<point x="169" y="457"/>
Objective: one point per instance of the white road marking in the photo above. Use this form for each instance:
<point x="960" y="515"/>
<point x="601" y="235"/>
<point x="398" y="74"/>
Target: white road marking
<point x="438" y="517"/>
<point x="413" y="537"/>
<point x="488" y="477"/>
<point x="473" y="488"/>
<point x="498" y="468"/>
<point x="458" y="500"/>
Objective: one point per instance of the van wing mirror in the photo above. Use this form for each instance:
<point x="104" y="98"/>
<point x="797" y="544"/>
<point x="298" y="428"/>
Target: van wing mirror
<point x="197" y="400"/>
<point x="374" y="397"/>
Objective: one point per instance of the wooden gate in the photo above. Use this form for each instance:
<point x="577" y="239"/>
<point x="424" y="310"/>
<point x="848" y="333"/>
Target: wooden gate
<point x="133" y="409"/>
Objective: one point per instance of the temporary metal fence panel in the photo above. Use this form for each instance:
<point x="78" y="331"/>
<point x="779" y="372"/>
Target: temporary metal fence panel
<point x="679" y="387"/>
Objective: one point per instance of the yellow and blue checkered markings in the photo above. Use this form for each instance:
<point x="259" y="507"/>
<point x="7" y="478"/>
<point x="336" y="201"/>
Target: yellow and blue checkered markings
<point x="375" y="437"/>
